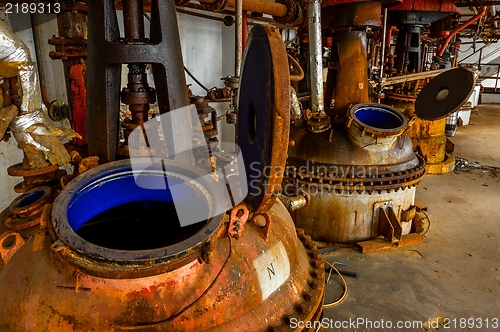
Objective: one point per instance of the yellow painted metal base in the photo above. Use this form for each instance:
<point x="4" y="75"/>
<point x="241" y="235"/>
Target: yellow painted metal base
<point x="446" y="166"/>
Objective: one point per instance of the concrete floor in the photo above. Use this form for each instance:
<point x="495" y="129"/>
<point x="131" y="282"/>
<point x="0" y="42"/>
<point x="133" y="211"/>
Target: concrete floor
<point x="455" y="273"/>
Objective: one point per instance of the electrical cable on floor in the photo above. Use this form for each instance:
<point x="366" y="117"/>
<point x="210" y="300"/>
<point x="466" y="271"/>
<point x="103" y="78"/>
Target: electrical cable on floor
<point x="157" y="324"/>
<point x="342" y="298"/>
<point x="194" y="79"/>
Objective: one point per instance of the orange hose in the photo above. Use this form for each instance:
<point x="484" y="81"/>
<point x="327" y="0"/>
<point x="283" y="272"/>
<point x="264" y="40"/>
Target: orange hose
<point x="460" y="28"/>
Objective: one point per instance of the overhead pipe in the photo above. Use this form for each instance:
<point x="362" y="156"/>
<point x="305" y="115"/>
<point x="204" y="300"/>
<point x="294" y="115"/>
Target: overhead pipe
<point x="215" y="17"/>
<point x="38" y="53"/>
<point x="460" y="28"/>
<point x="413" y="77"/>
<point x="238" y="14"/>
<point x="316" y="55"/>
<point x="257" y="6"/>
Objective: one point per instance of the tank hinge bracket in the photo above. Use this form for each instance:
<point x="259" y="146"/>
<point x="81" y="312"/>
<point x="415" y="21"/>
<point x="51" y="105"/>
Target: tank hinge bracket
<point x="263" y="223"/>
<point x="389" y="226"/>
<point x="237" y="220"/>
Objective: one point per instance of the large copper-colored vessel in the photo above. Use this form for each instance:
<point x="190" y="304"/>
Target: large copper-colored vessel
<point x="353" y="172"/>
<point x="113" y="257"/>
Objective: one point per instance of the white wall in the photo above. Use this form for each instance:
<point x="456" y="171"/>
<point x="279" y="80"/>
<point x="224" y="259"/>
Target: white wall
<point x="207" y="49"/>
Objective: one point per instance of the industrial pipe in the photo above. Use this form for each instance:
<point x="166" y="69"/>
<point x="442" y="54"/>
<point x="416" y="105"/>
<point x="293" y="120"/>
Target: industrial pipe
<point x="413" y="77"/>
<point x="257" y="6"/>
<point x="215" y="17"/>
<point x="382" y="52"/>
<point x="293" y="203"/>
<point x="494" y="14"/>
<point x="238" y="14"/>
<point x="460" y="28"/>
<point x="316" y="55"/>
<point x="38" y="53"/>
<point x="245" y="28"/>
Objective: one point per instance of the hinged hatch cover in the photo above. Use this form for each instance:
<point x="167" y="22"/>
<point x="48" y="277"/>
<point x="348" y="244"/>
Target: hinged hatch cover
<point x="263" y="123"/>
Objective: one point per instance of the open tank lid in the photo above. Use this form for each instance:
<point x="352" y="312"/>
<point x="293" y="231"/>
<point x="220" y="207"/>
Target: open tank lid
<point x="264" y="115"/>
<point x="444" y="94"/>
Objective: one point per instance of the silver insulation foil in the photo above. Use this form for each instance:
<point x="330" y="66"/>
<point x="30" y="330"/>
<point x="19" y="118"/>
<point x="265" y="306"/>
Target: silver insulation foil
<point x="15" y="60"/>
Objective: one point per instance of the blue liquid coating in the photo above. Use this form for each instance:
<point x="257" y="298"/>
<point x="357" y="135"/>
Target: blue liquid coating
<point x="378" y="118"/>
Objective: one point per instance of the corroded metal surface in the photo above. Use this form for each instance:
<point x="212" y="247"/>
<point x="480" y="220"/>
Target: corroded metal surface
<point x="259" y="6"/>
<point x="34" y="177"/>
<point x="26" y="210"/>
<point x="107" y="52"/>
<point x="428" y="137"/>
<point x="264" y="115"/>
<point x="218" y="279"/>
<point x="429" y="6"/>
<point x="52" y="294"/>
<point x="332" y="161"/>
<point x="348" y="175"/>
<point x="347" y="84"/>
<point x="353" y="14"/>
<point x="349" y="218"/>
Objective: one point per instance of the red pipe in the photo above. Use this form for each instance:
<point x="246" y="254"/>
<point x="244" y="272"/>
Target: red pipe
<point x="460" y="28"/>
<point x="244" y="28"/>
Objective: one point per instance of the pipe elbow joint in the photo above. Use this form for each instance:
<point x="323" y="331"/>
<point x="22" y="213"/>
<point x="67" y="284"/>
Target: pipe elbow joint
<point x="296" y="13"/>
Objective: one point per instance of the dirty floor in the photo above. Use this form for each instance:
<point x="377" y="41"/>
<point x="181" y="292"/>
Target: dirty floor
<point x="452" y="280"/>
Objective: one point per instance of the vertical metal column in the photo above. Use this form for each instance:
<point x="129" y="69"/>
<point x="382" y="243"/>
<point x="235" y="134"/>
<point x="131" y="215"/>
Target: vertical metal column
<point x="408" y="49"/>
<point x="238" y="37"/>
<point x="106" y="54"/>
<point x="383" y="42"/>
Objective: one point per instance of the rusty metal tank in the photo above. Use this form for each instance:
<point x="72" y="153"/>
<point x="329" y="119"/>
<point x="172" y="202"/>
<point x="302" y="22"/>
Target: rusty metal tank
<point x="352" y="172"/>
<point x="106" y="260"/>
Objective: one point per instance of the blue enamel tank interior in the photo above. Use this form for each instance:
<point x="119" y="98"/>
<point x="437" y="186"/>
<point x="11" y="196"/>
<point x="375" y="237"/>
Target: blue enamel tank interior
<point x="116" y="213"/>
<point x="378" y="117"/>
<point x="29" y="198"/>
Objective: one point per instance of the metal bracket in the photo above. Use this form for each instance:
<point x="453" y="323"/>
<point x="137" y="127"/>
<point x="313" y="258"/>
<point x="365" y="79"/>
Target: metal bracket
<point x="263" y="223"/>
<point x="377" y="208"/>
<point x="237" y="220"/>
<point x="407" y="215"/>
